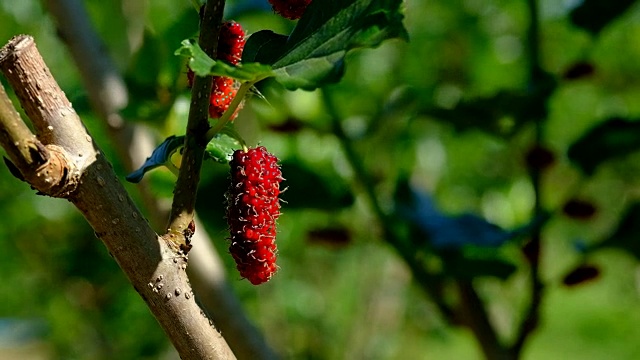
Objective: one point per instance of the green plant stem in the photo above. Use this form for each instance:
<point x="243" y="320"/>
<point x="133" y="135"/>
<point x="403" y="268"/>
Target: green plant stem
<point x="183" y="207"/>
<point x="429" y="283"/>
<point x="226" y="117"/>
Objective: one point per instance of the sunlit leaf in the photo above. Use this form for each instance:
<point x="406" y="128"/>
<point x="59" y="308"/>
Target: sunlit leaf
<point x="313" y="55"/>
<point x="221" y="147"/>
<point x="203" y="65"/>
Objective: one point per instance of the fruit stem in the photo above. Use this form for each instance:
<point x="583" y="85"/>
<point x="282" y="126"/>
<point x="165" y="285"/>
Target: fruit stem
<point x="226" y="117"/>
<point x="175" y="170"/>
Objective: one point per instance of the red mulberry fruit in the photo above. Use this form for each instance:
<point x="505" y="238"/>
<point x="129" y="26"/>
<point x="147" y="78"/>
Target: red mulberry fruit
<point x="290" y="9"/>
<point x="231" y="43"/>
<point x="253" y="206"/>
<point x="222" y="93"/>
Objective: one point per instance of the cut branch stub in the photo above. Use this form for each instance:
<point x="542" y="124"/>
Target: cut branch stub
<point x="45" y="167"/>
<point x="51" y="172"/>
<point x="43" y="101"/>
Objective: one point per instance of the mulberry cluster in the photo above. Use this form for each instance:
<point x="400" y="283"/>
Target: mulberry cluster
<point x="253" y="206"/>
<point x="290" y="9"/>
<point x="231" y="41"/>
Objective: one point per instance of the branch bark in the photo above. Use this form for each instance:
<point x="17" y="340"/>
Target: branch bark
<point x="107" y="92"/>
<point x="184" y="196"/>
<point x="155" y="268"/>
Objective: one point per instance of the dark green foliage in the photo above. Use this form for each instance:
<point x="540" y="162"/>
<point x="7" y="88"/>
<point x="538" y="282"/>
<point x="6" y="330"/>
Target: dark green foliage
<point x="468" y="266"/>
<point x="313" y="54"/>
<point x="594" y="15"/>
<point x="626" y="237"/>
<point x="612" y="139"/>
<point x="502" y="114"/>
<point x="308" y="188"/>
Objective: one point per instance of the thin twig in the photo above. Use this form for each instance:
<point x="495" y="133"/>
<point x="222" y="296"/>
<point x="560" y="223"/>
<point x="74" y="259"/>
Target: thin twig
<point x="184" y="196"/>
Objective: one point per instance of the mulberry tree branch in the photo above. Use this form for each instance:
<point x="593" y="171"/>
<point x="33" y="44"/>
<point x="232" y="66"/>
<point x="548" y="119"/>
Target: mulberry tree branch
<point x="152" y="265"/>
<point x="106" y="90"/>
<point x="184" y="195"/>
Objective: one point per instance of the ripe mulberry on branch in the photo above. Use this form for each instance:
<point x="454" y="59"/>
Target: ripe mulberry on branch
<point x="290" y="9"/>
<point x="231" y="41"/>
<point x="253" y="206"/>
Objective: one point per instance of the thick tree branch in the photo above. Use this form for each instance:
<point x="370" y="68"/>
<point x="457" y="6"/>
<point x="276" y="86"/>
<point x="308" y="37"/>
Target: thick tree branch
<point x="106" y="90"/>
<point x="155" y="269"/>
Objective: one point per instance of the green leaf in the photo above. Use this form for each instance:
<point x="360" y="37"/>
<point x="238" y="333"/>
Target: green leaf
<point x="313" y="55"/>
<point x="221" y="147"/>
<point x="594" y="15"/>
<point x="203" y="65"/>
<point x="264" y="45"/>
<point x="612" y="139"/>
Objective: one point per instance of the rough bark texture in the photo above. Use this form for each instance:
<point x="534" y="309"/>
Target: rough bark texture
<point x="154" y="267"/>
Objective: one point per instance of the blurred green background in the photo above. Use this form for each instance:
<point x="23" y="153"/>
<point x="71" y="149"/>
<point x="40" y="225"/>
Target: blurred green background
<point x="342" y="292"/>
